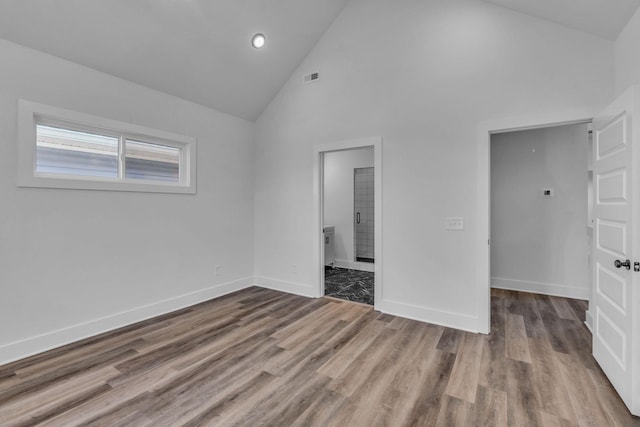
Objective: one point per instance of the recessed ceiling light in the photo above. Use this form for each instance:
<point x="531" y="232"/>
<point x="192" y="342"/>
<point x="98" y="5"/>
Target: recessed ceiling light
<point x="258" y="40"/>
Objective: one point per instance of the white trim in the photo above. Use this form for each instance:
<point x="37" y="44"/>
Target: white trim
<point x="485" y="129"/>
<point x="589" y="320"/>
<point x="430" y="315"/>
<point x="303" y="289"/>
<point x="29" y="111"/>
<point x="57" y="338"/>
<point x="566" y="291"/>
<point x="355" y="265"/>
<point x="318" y="221"/>
<point x="318" y="243"/>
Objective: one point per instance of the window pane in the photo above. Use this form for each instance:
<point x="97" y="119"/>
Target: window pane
<point x="152" y="162"/>
<point x="70" y="152"/>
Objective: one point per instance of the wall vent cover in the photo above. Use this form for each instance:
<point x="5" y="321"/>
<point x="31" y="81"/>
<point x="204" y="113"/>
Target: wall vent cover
<point x="310" y="78"/>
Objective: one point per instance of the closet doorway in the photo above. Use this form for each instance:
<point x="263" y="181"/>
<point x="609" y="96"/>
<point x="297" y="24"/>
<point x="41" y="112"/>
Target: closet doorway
<point x="540" y="228"/>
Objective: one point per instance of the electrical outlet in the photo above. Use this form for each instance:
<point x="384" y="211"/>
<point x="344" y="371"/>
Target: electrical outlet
<point x="218" y="270"/>
<point x="294" y="269"/>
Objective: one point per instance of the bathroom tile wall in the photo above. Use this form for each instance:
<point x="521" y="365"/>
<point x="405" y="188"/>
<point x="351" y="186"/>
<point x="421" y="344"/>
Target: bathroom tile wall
<point x="364" y="204"/>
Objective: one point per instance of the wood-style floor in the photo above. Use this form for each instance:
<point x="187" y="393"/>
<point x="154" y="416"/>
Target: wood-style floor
<point x="260" y="357"/>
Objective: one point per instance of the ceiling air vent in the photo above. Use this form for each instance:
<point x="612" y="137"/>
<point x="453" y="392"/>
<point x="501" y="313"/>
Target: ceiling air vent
<point x="310" y="78"/>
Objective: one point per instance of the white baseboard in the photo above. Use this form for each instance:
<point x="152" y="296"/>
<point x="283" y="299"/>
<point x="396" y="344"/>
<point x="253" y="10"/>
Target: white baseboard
<point x="355" y="265"/>
<point x="589" y="320"/>
<point x="540" y="288"/>
<point x="430" y="315"/>
<point x="47" y="341"/>
<point x="289" y="287"/>
<point x="409" y="311"/>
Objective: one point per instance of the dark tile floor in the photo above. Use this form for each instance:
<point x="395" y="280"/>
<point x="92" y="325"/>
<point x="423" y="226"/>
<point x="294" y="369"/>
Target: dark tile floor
<point x="352" y="285"/>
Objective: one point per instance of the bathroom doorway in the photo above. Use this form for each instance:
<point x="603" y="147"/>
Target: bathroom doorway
<point x="349" y="220"/>
<point x="341" y="274"/>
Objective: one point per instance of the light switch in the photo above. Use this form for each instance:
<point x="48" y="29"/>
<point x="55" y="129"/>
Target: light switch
<point x="454" y="223"/>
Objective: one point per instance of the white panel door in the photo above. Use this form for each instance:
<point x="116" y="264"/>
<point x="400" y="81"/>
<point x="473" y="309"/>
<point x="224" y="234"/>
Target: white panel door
<point x="616" y="304"/>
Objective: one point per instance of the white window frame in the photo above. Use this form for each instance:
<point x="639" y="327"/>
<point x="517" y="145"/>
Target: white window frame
<point x="31" y="113"/>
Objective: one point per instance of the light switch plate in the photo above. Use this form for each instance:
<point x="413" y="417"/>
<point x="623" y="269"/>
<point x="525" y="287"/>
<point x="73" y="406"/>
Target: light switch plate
<point x="454" y="223"/>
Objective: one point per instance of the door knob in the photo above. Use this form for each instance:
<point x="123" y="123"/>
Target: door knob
<point x="619" y="264"/>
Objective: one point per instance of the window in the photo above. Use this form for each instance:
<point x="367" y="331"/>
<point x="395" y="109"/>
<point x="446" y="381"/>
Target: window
<point x="155" y="162"/>
<point x="65" y="149"/>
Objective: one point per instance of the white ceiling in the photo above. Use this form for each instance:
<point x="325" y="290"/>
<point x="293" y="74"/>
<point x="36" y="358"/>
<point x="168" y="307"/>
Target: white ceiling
<point x="195" y="49"/>
<point x="603" y="18"/>
<point x="199" y="49"/>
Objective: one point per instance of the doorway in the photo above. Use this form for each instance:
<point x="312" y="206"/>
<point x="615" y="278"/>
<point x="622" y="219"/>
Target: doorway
<point x="615" y="241"/>
<point x="540" y="233"/>
<point x="349" y="200"/>
<point x="339" y="257"/>
<point x="483" y="242"/>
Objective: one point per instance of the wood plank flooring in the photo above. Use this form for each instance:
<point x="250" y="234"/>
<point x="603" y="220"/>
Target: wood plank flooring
<point x="261" y="357"/>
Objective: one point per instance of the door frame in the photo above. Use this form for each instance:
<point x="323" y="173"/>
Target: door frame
<point x="483" y="192"/>
<point x="318" y="208"/>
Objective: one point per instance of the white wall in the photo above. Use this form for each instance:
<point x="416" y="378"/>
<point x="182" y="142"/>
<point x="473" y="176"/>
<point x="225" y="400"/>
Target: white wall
<point x="627" y="58"/>
<point x="422" y="74"/>
<point x="539" y="244"/>
<point x="338" y="198"/>
<point x="74" y="262"/>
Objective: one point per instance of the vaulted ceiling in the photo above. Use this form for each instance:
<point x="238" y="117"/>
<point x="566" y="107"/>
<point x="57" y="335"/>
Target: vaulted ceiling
<point x="604" y="18"/>
<point x="194" y="49"/>
<point x="199" y="50"/>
